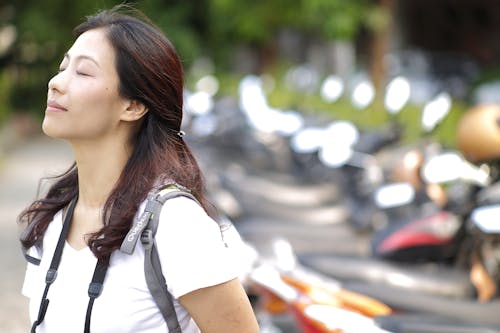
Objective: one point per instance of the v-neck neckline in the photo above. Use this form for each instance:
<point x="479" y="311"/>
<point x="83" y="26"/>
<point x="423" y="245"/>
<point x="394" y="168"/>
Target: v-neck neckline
<point x="60" y="222"/>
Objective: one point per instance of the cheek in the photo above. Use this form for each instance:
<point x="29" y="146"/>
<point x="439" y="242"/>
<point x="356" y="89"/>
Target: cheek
<point x="99" y="115"/>
<point x="94" y="93"/>
<point x="93" y="113"/>
<point x="98" y="102"/>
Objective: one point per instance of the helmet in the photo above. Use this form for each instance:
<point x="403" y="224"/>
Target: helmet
<point x="478" y="133"/>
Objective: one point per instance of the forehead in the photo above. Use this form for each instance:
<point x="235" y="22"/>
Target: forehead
<point x="94" y="44"/>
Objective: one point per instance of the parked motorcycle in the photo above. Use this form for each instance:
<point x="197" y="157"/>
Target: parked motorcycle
<point x="316" y="303"/>
<point x="461" y="239"/>
<point x="364" y="173"/>
<point x="439" y="281"/>
<point x="287" y="286"/>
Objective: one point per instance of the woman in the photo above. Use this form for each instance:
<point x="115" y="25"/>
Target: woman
<point x="117" y="99"/>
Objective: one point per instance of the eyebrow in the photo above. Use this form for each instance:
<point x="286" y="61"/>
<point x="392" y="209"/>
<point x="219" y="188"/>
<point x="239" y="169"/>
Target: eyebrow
<point x="82" y="56"/>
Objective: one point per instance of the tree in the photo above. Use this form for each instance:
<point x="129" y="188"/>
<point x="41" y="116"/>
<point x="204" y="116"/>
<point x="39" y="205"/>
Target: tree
<point x="336" y="19"/>
<point x="44" y="32"/>
<point x="256" y="23"/>
<point x="210" y="27"/>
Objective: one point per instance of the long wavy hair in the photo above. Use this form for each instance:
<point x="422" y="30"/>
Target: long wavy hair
<point x="150" y="72"/>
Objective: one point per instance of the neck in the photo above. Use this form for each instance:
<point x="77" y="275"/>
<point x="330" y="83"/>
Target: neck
<point x="100" y="165"/>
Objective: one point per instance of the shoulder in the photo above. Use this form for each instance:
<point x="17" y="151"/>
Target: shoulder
<point x="192" y="252"/>
<point x="184" y="206"/>
<point x="184" y="217"/>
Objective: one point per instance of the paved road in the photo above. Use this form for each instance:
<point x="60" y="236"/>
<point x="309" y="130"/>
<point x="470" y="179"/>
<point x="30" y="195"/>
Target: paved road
<point x="20" y="170"/>
<point x="278" y="207"/>
<point x="309" y="214"/>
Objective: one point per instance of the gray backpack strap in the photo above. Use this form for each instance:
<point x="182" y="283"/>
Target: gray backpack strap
<point x="152" y="266"/>
<point x="138" y="226"/>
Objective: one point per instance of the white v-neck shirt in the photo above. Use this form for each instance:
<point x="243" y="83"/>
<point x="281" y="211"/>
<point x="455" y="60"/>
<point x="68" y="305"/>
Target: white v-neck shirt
<point x="192" y="256"/>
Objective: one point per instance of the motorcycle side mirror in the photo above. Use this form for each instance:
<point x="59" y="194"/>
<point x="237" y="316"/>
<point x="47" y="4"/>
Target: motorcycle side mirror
<point x="332" y="89"/>
<point x="397" y="94"/>
<point x="290" y="122"/>
<point x="394" y="195"/>
<point x="307" y="140"/>
<point x="442" y="168"/>
<point x="363" y="94"/>
<point x="435" y="111"/>
<point x="342" y="133"/>
<point x="486" y="219"/>
<point x="335" y="156"/>
<point x="448" y="167"/>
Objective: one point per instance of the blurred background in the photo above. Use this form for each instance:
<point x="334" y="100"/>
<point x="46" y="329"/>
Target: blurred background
<point x="437" y="45"/>
<point x="258" y="73"/>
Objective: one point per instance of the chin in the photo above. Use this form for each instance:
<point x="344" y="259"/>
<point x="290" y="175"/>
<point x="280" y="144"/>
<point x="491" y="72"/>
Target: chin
<point x="52" y="130"/>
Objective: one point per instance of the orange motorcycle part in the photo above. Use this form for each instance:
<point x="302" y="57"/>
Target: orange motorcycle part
<point x="341" y="298"/>
<point x="363" y="304"/>
<point x="309" y="325"/>
<point x="271" y="303"/>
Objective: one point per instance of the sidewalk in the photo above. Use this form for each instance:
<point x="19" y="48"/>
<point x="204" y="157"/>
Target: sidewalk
<point x="20" y="170"/>
<point x="23" y="165"/>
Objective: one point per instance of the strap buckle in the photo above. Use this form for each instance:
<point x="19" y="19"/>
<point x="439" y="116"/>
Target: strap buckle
<point x="95" y="289"/>
<point x="147" y="238"/>
<point x="51" y="276"/>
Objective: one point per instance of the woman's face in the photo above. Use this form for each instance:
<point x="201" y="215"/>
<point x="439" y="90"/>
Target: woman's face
<point x="83" y="101"/>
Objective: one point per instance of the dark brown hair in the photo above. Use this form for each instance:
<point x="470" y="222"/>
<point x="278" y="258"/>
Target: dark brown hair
<point x="149" y="72"/>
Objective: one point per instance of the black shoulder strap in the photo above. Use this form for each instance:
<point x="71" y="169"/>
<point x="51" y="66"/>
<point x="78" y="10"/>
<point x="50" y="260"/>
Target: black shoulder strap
<point x="95" y="286"/>
<point x="54" y="265"/>
<point x="27" y="230"/>
<point x="31" y="259"/>
<point x="95" y="289"/>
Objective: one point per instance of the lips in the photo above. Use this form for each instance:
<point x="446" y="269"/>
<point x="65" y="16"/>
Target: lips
<point x="55" y="107"/>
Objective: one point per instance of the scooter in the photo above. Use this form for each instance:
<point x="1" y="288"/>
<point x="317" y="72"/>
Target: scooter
<point x="446" y="234"/>
<point x="473" y="258"/>
<point x="364" y="173"/>
<point x="314" y="309"/>
<point x="316" y="303"/>
<point x="288" y="286"/>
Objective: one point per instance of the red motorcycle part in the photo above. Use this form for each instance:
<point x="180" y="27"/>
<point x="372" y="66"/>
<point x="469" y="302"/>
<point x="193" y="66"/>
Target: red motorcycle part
<point x="428" y="238"/>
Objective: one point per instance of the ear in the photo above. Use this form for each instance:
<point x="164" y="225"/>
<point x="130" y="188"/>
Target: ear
<point x="133" y="111"/>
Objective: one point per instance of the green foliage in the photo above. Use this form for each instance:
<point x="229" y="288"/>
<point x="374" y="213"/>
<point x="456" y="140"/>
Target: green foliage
<point x="252" y="21"/>
<point x="44" y="31"/>
<point x="182" y="21"/>
<point x="374" y="116"/>
<point x="257" y="21"/>
<point x="336" y="19"/>
<point x="5" y="88"/>
<point x="212" y="28"/>
<point x="199" y="27"/>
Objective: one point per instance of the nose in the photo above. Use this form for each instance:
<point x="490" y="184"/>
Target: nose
<point x="57" y="82"/>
